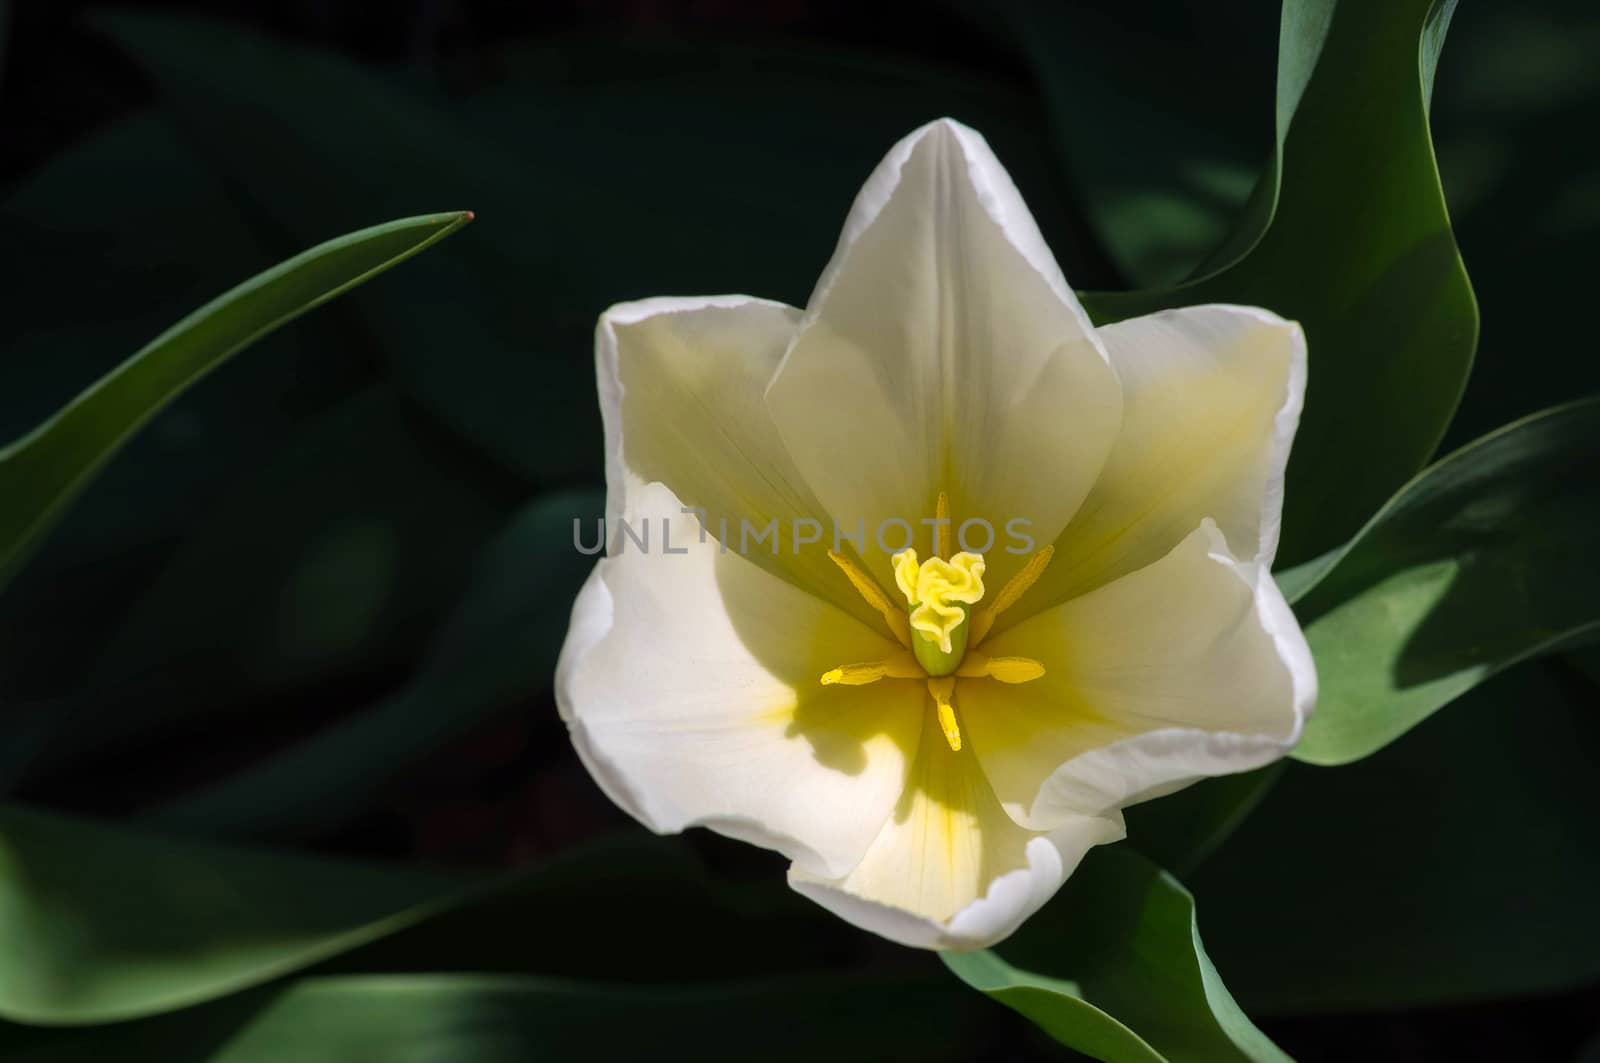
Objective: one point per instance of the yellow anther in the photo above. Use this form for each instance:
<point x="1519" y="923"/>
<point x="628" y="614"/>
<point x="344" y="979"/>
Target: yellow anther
<point x="1015" y="669"/>
<point x="943" y="691"/>
<point x="868" y="588"/>
<point x="1014" y="589"/>
<point x="1005" y="669"/>
<point x="854" y="675"/>
<point x="941" y="527"/>
<point x="900" y="666"/>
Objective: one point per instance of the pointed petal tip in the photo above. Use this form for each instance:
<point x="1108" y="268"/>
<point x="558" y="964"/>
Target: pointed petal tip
<point x="946" y="126"/>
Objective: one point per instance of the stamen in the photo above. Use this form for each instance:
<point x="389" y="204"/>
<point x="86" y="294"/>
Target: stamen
<point x="1014" y="589"/>
<point x="1005" y="669"/>
<point x="900" y="666"/>
<point x="943" y="691"/>
<point x="941" y="527"/>
<point x="868" y="588"/>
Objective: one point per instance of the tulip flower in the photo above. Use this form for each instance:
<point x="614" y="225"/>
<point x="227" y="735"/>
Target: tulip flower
<point x="941" y="575"/>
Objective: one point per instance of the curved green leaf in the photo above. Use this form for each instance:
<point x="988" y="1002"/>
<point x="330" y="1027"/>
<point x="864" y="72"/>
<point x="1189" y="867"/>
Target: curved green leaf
<point x="1348" y="234"/>
<point x="1057" y="1007"/>
<point x="1142" y="990"/>
<point x="101" y="924"/>
<point x="1485" y="559"/>
<point x="41" y="473"/>
<point x="474" y="1018"/>
<point x="104" y="924"/>
<point x="134" y="199"/>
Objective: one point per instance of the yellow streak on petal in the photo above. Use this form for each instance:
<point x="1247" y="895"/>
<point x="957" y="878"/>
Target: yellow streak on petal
<point x="779" y="715"/>
<point x="947" y="841"/>
<point x="941" y="527"/>
<point x="868" y="588"/>
<point x="1014" y="589"/>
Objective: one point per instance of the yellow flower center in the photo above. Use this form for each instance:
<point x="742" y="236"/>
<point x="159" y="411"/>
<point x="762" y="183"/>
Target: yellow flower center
<point x="941" y="632"/>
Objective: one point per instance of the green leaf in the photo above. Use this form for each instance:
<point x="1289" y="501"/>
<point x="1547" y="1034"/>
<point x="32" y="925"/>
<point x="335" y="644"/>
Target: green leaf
<point x="41" y="473"/>
<point x="498" y="646"/>
<point x="102" y="924"/>
<point x="1348" y="234"/>
<point x="1485" y="559"/>
<point x="1056" y="1006"/>
<point x="475" y="1018"/>
<point x="1457" y="865"/>
<point x="1142" y="988"/>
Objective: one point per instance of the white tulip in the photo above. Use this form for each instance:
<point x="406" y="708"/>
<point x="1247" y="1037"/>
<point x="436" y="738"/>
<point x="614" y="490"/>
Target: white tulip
<point x="935" y="743"/>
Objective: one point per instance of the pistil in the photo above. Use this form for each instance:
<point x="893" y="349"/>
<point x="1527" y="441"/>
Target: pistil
<point x="939" y="594"/>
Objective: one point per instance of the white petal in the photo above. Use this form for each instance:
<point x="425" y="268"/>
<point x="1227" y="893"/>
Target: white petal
<point x="681" y="387"/>
<point x="1189" y="668"/>
<point x="943" y="350"/>
<point x="950" y="869"/>
<point x="1211" y="399"/>
<point x="690" y="683"/>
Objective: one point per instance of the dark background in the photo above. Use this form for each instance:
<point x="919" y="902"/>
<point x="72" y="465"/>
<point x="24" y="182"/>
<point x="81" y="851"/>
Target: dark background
<point x="278" y="555"/>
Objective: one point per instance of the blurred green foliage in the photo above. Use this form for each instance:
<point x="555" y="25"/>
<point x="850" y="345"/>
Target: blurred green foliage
<point x="316" y="602"/>
<point x="505" y="1018"/>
